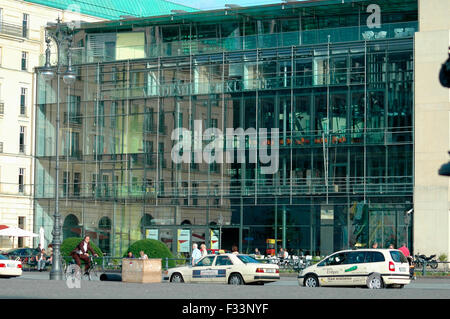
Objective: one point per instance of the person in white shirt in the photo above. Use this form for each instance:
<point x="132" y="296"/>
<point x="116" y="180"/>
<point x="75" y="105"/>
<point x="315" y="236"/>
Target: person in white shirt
<point x="196" y="254"/>
<point x="203" y="250"/>
<point x="143" y="255"/>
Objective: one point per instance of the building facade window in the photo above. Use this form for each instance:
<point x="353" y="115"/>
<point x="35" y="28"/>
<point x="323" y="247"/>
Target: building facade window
<point x="24" y="62"/>
<point x="76" y="184"/>
<point x="22" y="139"/>
<point x="23" y="101"/>
<point x="21" y="180"/>
<point x="21" y="224"/>
<point x="66" y="183"/>
<point x="25" y="25"/>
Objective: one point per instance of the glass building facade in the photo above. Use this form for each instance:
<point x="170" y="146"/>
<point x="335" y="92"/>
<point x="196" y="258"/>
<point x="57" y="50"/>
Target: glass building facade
<point x="338" y="90"/>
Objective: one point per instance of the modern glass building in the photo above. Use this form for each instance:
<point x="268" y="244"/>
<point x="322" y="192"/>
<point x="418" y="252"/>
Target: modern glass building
<point x="335" y="79"/>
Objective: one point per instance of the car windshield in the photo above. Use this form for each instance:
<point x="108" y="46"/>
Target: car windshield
<point x="247" y="259"/>
<point x="3" y="257"/>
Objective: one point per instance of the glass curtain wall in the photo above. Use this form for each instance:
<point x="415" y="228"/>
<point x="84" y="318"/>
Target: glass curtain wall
<point x="343" y="155"/>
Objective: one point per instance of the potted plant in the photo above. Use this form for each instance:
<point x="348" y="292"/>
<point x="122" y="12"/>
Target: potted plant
<point x="443" y="259"/>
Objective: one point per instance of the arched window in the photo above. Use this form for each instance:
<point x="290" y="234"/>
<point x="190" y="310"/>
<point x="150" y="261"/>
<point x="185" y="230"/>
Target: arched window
<point x="186" y="222"/>
<point x="71" y="227"/>
<point x="146" y="221"/>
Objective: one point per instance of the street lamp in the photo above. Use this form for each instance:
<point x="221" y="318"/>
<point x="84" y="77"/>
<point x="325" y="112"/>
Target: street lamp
<point x="62" y="35"/>
<point x="220" y="230"/>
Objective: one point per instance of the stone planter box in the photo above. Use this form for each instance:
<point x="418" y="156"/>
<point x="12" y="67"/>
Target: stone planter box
<point x="141" y="270"/>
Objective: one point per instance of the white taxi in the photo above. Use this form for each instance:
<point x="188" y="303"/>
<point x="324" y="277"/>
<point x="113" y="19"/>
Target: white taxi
<point x="10" y="268"/>
<point x="373" y="268"/>
<point x="225" y="268"/>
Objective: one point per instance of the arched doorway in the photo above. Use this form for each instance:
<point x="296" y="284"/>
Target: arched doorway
<point x="71" y="227"/>
<point x="104" y="242"/>
<point x="186" y="222"/>
<point x="146" y="221"/>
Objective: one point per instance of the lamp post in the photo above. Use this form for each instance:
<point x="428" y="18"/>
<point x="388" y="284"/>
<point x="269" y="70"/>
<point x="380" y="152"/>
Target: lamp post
<point x="62" y="35"/>
<point x="220" y="230"/>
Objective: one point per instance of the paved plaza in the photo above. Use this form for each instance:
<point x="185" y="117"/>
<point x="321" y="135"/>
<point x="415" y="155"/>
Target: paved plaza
<point x="37" y="285"/>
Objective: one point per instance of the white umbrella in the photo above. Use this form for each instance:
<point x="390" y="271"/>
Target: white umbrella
<point x="16" y="232"/>
<point x="42" y="237"/>
<point x="12" y="231"/>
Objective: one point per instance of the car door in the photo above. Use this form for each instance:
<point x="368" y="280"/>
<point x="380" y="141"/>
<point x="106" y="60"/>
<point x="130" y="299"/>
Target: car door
<point x="355" y="269"/>
<point x="203" y="270"/>
<point x="223" y="265"/>
<point x="375" y="262"/>
<point x="331" y="270"/>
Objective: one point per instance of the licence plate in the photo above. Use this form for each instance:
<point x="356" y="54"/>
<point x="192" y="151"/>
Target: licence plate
<point x="11" y="265"/>
<point x="270" y="270"/>
<point x="402" y="269"/>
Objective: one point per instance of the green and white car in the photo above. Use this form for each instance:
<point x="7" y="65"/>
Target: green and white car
<point x="225" y="268"/>
<point x="373" y="268"/>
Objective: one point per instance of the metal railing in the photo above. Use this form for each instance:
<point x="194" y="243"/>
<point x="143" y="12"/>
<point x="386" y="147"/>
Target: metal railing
<point x="425" y="267"/>
<point x="233" y="188"/>
<point x="250" y="42"/>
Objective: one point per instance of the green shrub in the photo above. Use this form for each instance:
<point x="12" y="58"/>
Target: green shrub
<point x="153" y="249"/>
<point x="442" y="257"/>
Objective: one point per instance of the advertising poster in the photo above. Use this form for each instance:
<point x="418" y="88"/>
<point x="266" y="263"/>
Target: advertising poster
<point x="214" y="239"/>
<point x="151" y="234"/>
<point x="184" y="240"/>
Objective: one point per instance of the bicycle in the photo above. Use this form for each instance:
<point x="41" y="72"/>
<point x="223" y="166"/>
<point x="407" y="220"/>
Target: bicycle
<point x="70" y="271"/>
<point x="92" y="270"/>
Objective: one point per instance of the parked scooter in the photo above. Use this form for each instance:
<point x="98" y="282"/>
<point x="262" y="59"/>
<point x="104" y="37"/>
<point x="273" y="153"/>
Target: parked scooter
<point x="421" y="260"/>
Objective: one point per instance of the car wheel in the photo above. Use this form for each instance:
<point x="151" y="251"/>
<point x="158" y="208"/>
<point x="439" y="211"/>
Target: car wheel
<point x="235" y="279"/>
<point x="374" y="281"/>
<point x="176" y="278"/>
<point x="311" y="281"/>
